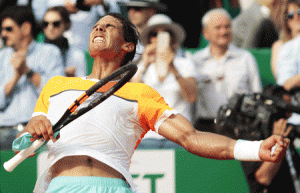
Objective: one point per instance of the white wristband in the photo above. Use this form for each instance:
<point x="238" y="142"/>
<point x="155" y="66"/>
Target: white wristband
<point x="247" y="150"/>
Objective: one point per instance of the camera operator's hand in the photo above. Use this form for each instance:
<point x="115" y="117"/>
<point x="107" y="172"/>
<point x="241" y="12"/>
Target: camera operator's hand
<point x="280" y="151"/>
<point x="279" y="128"/>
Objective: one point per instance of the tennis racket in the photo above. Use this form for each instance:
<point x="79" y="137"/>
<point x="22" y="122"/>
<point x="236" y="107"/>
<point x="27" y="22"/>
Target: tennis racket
<point x="116" y="80"/>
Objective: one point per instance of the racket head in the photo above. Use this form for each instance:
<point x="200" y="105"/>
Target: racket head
<point x="120" y="77"/>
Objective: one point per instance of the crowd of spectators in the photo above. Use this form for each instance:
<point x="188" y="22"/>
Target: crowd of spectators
<point x="41" y="39"/>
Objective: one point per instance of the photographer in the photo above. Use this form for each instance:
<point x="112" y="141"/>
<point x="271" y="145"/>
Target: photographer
<point x="266" y="120"/>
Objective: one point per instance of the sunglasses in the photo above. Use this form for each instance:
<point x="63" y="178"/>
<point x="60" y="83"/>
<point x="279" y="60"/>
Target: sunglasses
<point x="55" y="24"/>
<point x="291" y="15"/>
<point x="8" y="29"/>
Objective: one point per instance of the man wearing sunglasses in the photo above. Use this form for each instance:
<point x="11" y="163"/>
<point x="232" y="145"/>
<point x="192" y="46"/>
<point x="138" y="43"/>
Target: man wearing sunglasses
<point x="25" y="67"/>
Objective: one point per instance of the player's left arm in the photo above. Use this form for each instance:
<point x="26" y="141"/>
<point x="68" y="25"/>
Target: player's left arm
<point x="179" y="130"/>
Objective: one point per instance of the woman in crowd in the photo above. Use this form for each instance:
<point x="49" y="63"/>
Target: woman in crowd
<point x="290" y="29"/>
<point x="56" y="21"/>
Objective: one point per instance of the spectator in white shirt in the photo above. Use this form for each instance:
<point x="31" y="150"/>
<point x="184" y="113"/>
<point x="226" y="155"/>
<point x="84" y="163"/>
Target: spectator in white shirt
<point x="222" y="68"/>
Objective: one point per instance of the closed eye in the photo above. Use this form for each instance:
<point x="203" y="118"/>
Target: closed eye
<point x="110" y="25"/>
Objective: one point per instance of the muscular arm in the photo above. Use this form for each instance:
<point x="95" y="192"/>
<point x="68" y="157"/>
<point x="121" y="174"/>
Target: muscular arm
<point x="203" y="144"/>
<point x="179" y="130"/>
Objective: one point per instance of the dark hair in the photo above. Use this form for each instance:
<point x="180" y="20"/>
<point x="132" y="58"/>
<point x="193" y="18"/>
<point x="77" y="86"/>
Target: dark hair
<point x="21" y="14"/>
<point x="63" y="12"/>
<point x="130" y="34"/>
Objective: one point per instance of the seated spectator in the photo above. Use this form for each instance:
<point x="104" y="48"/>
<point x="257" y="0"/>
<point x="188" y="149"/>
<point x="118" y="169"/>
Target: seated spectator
<point x="290" y="29"/>
<point x="56" y="22"/>
<point x="25" y="68"/>
<point x="222" y="69"/>
<point x="178" y="85"/>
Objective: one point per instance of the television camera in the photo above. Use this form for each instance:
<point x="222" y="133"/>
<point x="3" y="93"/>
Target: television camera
<point x="251" y="116"/>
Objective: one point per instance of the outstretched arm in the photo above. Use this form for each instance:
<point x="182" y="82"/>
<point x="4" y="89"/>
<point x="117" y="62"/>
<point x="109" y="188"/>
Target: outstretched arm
<point x="179" y="130"/>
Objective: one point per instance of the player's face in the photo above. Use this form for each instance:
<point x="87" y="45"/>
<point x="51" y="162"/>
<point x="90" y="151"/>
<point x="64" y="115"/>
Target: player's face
<point x="11" y="33"/>
<point x="53" y="25"/>
<point x="218" y="31"/>
<point x="106" y="35"/>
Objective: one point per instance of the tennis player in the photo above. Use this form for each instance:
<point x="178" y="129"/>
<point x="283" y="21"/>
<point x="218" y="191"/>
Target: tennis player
<point x="93" y="152"/>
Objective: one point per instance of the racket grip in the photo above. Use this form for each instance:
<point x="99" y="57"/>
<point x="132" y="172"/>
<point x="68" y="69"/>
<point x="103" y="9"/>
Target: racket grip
<point x="22" y="155"/>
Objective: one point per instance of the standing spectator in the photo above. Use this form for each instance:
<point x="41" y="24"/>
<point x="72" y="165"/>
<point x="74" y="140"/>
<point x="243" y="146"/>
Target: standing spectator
<point x="290" y="29"/>
<point x="84" y="14"/>
<point x="223" y="69"/>
<point x="178" y="86"/>
<point x="56" y="22"/>
<point x="25" y="68"/>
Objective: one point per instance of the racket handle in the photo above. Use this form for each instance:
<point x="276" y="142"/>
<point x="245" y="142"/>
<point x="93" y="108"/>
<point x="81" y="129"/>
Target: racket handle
<point x="22" y="155"/>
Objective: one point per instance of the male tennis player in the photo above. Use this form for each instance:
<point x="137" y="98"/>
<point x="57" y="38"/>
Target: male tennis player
<point x="93" y="152"/>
